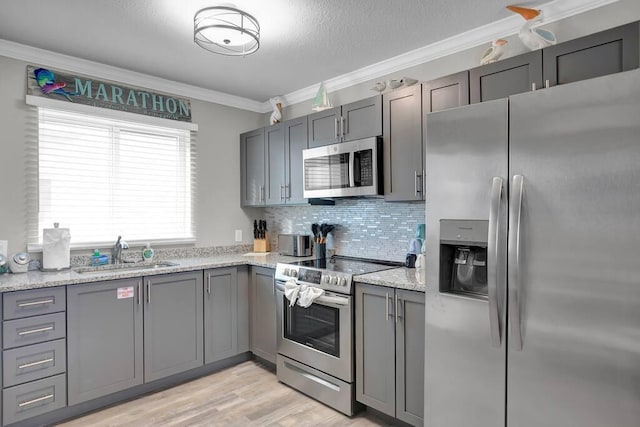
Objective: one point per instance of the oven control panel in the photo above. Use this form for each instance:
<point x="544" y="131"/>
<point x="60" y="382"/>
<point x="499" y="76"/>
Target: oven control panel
<point x="325" y="279"/>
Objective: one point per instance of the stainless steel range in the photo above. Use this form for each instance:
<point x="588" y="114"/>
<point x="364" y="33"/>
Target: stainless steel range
<point x="315" y="344"/>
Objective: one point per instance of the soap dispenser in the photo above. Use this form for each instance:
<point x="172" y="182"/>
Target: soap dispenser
<point x="147" y="253"/>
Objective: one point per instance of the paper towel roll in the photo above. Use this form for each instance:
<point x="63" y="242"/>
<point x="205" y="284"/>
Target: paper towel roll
<point x="56" y="254"/>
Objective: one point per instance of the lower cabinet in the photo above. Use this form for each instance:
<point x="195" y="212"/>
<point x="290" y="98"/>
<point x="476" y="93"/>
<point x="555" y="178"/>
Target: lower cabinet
<point x="34" y="361"/>
<point x="173" y="322"/>
<point x="105" y="338"/>
<point x="390" y="351"/>
<point x="226" y="313"/>
<point x="263" y="309"/>
<point x="126" y="332"/>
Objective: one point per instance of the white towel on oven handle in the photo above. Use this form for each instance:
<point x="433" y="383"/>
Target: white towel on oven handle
<point x="291" y="291"/>
<point x="308" y="295"/>
<point x="305" y="295"/>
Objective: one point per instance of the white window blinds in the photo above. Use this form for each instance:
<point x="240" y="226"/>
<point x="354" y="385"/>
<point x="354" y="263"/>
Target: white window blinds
<point x="104" y="177"/>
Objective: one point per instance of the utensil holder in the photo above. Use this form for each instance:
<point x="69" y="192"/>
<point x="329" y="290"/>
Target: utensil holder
<point x="321" y="250"/>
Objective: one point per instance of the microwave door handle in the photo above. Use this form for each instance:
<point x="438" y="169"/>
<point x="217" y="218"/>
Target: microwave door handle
<point x="352" y="167"/>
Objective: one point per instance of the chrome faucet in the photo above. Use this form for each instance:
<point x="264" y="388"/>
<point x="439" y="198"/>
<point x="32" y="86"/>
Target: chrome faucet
<point x="116" y="251"/>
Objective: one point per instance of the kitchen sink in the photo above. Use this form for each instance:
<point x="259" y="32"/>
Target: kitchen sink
<point x="126" y="266"/>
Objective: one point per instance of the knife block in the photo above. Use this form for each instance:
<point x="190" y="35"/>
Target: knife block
<point x="262" y="245"/>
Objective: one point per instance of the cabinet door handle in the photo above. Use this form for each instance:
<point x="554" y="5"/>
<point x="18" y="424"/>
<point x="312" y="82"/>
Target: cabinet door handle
<point x="29" y="304"/>
<point x="343" y="127"/>
<point x="262" y="195"/>
<point x="149" y="292"/>
<point x="417" y="178"/>
<point x="283" y="194"/>
<point x="39" y="362"/>
<point x="35" y="331"/>
<point x="31" y="402"/>
<point x="139" y="291"/>
<point x="209" y="283"/>
<point x="386" y="305"/>
<point x="337" y="131"/>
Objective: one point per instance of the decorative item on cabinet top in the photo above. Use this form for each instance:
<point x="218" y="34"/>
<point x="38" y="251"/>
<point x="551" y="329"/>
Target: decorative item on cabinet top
<point x="532" y="36"/>
<point x="321" y="101"/>
<point x="494" y="52"/>
<point x="393" y="84"/>
<point x="276" y="104"/>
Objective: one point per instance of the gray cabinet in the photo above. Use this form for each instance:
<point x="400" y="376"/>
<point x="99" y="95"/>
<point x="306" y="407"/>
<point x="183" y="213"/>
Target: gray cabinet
<point x="510" y="76"/>
<point x="403" y="145"/>
<point x="390" y="351"/>
<point x="296" y="140"/>
<point x="263" y="310"/>
<point x="606" y="52"/>
<point x="105" y="338"/>
<point x="34" y="346"/>
<point x="225" y="324"/>
<point x="356" y="120"/>
<point x="410" y="309"/>
<point x="445" y="92"/>
<point x="284" y="145"/>
<point x="173" y="322"/>
<point x="252" y="168"/>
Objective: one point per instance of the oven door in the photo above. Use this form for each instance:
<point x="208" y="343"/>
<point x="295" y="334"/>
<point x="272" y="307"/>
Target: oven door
<point x="320" y="335"/>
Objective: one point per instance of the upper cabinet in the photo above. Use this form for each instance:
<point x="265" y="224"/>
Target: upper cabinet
<point x="252" y="168"/>
<point x="271" y="164"/>
<point x="357" y="120"/>
<point x="510" y="76"/>
<point x="607" y="52"/>
<point x="446" y="92"/>
<point x="402" y="142"/>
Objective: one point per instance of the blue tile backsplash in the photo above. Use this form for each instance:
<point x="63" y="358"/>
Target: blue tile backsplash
<point x="365" y="228"/>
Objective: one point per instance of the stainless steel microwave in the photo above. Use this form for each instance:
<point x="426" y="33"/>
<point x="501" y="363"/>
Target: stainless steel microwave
<point x="348" y="169"/>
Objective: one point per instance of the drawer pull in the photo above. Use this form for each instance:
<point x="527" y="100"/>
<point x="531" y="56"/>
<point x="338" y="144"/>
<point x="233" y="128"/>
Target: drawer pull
<point x="31" y="402"/>
<point x="40" y="362"/>
<point x="35" y="331"/>
<point x="29" y="304"/>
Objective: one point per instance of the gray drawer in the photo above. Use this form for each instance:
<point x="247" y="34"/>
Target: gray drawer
<point x="33" y="302"/>
<point x="32" y="330"/>
<point x="33" y="362"/>
<point x="34" y="398"/>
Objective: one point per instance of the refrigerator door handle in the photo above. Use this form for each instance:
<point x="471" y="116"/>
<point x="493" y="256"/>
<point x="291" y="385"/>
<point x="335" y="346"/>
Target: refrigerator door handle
<point x="515" y="212"/>
<point x="492" y="260"/>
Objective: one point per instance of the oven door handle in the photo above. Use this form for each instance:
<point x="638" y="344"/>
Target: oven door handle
<point x="327" y="300"/>
<point x="323" y="299"/>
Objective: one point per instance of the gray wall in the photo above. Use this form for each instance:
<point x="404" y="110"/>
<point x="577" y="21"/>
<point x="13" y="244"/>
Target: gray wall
<point x="218" y="211"/>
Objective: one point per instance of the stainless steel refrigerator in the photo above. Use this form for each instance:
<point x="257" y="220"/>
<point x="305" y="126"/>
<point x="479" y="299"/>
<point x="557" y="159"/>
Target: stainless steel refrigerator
<point x="533" y="259"/>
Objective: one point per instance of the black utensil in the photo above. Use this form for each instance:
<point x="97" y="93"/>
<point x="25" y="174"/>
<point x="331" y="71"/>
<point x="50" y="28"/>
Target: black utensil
<point x="314" y="230"/>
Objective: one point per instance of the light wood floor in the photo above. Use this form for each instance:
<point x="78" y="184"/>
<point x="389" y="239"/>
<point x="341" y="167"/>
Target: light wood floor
<point x="243" y="395"/>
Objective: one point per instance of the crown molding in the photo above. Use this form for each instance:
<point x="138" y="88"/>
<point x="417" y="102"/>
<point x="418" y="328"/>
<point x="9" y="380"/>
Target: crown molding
<point x="82" y="66"/>
<point x="553" y="11"/>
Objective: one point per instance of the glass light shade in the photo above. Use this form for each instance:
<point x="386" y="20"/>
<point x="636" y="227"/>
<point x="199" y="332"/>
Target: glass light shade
<point x="226" y="31"/>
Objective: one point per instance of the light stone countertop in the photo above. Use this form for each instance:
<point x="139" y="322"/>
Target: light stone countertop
<point x="402" y="278"/>
<point x="38" y="279"/>
<point x="412" y="279"/>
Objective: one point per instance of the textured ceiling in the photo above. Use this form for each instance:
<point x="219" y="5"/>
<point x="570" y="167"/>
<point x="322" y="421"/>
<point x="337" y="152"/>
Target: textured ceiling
<point x="303" y="42"/>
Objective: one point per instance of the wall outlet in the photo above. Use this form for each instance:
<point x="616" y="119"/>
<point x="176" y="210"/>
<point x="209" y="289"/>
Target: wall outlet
<point x="238" y="235"/>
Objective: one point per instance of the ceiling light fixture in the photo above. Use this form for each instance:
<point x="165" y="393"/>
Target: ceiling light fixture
<point x="226" y="30"/>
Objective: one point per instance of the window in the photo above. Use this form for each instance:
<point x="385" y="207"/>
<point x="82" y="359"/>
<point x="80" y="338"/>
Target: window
<point x="104" y="177"/>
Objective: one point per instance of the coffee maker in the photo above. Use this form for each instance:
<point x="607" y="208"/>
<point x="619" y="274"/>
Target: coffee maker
<point x="463" y="257"/>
